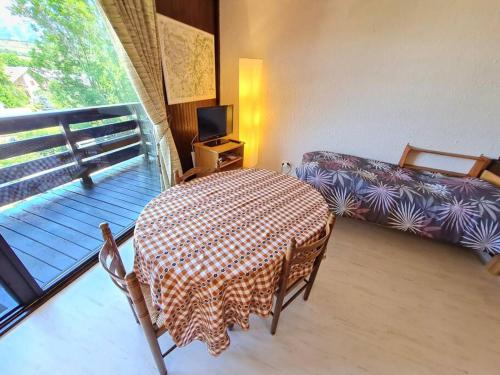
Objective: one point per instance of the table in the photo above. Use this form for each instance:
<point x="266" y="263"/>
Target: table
<point x="211" y="250"/>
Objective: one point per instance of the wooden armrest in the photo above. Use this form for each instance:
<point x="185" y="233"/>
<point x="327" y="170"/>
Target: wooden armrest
<point x="480" y="162"/>
<point x="493" y="265"/>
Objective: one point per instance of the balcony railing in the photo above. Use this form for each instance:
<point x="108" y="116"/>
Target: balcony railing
<point x="85" y="149"/>
<point x="91" y="165"/>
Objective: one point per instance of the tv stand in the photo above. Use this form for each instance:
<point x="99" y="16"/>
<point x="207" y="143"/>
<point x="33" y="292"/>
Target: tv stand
<point x="219" y="154"/>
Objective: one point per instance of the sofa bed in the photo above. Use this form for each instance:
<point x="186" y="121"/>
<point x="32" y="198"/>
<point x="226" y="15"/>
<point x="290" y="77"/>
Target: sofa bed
<point x="460" y="209"/>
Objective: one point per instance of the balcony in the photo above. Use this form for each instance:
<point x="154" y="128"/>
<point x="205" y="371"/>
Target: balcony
<point x="98" y="167"/>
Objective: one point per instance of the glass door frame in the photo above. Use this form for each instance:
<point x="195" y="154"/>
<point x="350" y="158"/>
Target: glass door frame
<point x="16" y="279"/>
<point x="26" y="290"/>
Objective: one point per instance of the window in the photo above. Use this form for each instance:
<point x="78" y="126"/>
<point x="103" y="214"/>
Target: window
<point x="75" y="147"/>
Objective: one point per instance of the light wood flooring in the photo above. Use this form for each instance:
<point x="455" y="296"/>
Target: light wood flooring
<point x="384" y="303"/>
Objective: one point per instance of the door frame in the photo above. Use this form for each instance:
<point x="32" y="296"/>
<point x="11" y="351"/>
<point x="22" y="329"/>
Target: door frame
<point x="16" y="277"/>
<point x="24" y="310"/>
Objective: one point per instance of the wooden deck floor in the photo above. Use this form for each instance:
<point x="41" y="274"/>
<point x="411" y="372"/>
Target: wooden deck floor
<point x="54" y="231"/>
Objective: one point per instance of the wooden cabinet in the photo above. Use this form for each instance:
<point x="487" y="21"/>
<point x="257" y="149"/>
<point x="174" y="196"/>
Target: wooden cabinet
<point x="220" y="157"/>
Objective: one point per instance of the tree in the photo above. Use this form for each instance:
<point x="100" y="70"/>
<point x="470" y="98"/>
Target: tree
<point x="74" y="56"/>
<point x="11" y="59"/>
<point x="10" y="95"/>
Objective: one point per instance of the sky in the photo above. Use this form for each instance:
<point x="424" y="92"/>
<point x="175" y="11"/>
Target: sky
<point x="14" y="27"/>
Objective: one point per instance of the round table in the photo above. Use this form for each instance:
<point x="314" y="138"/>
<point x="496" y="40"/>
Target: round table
<point x="211" y="250"/>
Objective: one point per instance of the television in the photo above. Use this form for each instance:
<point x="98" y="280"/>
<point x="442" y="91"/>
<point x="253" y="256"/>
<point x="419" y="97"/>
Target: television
<point x="214" y="122"/>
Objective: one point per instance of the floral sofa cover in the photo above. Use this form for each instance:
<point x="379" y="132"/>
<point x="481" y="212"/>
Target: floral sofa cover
<point x="460" y="210"/>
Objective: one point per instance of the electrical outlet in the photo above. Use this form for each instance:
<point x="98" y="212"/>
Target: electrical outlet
<point x="286" y="167"/>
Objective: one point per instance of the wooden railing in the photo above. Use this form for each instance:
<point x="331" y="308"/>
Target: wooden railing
<point x="86" y="150"/>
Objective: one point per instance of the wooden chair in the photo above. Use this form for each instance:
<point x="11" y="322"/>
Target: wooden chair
<point x="191" y="174"/>
<point x="138" y="296"/>
<point x="296" y="256"/>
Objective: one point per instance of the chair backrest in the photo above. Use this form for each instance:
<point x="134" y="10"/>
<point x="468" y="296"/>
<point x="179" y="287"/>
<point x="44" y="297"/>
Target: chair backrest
<point x="191" y="174"/>
<point x="128" y="283"/>
<point x="307" y="253"/>
<point x="110" y="259"/>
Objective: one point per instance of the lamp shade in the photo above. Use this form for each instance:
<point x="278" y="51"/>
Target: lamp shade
<point x="250" y="108"/>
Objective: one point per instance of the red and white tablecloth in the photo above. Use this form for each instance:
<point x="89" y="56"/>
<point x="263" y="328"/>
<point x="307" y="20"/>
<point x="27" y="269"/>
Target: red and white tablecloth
<point x="211" y="250"/>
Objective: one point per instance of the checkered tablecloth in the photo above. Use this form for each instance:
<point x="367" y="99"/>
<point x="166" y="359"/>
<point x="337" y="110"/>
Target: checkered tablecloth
<point x="211" y="250"/>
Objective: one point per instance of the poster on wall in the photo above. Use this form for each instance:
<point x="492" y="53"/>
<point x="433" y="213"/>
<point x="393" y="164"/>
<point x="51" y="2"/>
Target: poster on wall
<point x="188" y="58"/>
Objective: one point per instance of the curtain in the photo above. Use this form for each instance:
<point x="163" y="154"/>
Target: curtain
<point x="134" y="22"/>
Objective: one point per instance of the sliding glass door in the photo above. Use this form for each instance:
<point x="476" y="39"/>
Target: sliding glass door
<point x="76" y="146"/>
<point x="17" y="286"/>
<point x="8" y="300"/>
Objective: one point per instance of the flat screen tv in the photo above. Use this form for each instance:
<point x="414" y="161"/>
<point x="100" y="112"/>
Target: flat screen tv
<point x="214" y="122"/>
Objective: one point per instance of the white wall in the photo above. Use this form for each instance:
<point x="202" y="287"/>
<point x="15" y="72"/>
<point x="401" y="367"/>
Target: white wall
<point x="366" y="77"/>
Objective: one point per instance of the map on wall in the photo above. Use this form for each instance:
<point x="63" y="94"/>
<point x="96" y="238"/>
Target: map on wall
<point x="188" y="58"/>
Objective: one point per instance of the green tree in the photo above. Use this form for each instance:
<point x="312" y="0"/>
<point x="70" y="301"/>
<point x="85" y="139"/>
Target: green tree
<point x="11" y="59"/>
<point x="74" y="56"/>
<point x="10" y="95"/>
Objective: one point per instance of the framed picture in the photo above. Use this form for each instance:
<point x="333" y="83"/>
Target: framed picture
<point x="188" y="59"/>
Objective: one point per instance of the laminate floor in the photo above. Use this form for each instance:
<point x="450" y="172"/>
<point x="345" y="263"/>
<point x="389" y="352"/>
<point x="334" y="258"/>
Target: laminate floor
<point x="384" y="303"/>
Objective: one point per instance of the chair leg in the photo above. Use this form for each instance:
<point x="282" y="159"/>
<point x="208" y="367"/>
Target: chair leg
<point x="277" y="311"/>
<point x="133" y="310"/>
<point x="152" y="340"/>
<point x="145" y="321"/>
<point x="312" y="277"/>
<point x="156" y="351"/>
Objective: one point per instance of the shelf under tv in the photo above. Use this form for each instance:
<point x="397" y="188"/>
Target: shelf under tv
<point x="229" y="163"/>
<point x="210" y="156"/>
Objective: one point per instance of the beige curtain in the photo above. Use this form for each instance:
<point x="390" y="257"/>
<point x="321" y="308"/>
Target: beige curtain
<point x="134" y="22"/>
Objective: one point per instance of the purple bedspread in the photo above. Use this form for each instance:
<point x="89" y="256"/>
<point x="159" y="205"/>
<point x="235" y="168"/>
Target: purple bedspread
<point x="461" y="210"/>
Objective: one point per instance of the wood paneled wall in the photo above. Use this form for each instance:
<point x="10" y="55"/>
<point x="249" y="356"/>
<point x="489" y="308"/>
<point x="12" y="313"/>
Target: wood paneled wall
<point x="204" y="15"/>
